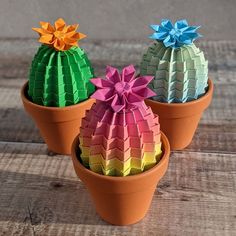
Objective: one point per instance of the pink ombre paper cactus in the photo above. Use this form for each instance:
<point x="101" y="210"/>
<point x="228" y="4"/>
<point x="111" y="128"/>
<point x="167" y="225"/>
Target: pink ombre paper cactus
<point x="120" y="135"/>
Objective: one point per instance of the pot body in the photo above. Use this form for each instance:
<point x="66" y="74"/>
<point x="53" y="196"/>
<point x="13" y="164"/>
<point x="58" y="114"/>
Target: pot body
<point x="122" y="200"/>
<point x="179" y="121"/>
<point x="58" y="126"/>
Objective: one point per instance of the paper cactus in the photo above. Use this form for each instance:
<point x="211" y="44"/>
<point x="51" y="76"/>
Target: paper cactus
<point x="120" y="135"/>
<point x="179" y="67"/>
<point x="61" y="71"/>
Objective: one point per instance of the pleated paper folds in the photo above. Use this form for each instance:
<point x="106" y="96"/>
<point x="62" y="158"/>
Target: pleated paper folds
<point x="120" y="143"/>
<point x="180" y="74"/>
<point x="60" y="78"/>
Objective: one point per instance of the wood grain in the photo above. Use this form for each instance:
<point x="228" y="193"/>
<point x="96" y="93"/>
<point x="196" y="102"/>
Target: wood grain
<point x="15" y="61"/>
<point x="41" y="194"/>
<point x="216" y="131"/>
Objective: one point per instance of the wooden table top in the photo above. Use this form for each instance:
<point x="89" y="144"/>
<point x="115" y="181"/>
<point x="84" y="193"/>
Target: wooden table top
<point x="41" y="195"/>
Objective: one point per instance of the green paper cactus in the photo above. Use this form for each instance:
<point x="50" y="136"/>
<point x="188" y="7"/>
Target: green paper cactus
<point x="61" y="71"/>
<point x="179" y="68"/>
<point x="60" y="78"/>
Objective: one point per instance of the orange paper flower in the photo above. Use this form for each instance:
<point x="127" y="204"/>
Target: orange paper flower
<point x="60" y="36"/>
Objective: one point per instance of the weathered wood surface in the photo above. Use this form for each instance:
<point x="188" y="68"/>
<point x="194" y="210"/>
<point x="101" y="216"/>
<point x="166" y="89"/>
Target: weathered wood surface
<point x="40" y="194"/>
<point x="216" y="132"/>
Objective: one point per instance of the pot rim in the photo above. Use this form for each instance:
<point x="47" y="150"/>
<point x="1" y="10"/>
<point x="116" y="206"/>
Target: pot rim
<point x="158" y="166"/>
<point x="190" y="103"/>
<point x="26" y="100"/>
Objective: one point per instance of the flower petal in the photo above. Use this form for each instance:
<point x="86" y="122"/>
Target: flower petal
<point x="70" y="41"/>
<point x="155" y="27"/>
<point x="47" y="26"/>
<point x="72" y="27"/>
<point x="181" y="24"/>
<point x="169" y="41"/>
<point x="59" y="45"/>
<point x="133" y="98"/>
<point x="104" y="94"/>
<point x="160" y="36"/>
<point x="192" y="28"/>
<point x="80" y="35"/>
<point x="47" y="38"/>
<point x="167" y="24"/>
<point x="142" y="81"/>
<point x="40" y="31"/>
<point x="185" y="39"/>
<point x="59" y="24"/>
<point x="128" y="73"/>
<point x="118" y="103"/>
<point x="112" y="74"/>
<point x="101" y="83"/>
<point x="144" y="92"/>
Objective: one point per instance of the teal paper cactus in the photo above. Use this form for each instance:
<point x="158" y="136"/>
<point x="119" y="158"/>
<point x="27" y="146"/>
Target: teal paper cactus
<point x="60" y="71"/>
<point x="179" y="67"/>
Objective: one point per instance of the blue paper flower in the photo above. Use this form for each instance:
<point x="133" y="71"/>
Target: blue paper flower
<point x="175" y="36"/>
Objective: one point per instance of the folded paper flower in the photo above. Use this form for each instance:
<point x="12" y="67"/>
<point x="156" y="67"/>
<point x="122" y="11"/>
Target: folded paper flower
<point x="175" y="35"/>
<point x="60" y="36"/>
<point x="120" y="135"/>
<point x="122" y="91"/>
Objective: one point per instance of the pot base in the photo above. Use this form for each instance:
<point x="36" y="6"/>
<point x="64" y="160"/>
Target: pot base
<point x="122" y="200"/>
<point x="179" y="121"/>
<point x="58" y="126"/>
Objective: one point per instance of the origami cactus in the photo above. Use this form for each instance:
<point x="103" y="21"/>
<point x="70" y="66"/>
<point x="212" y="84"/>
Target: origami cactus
<point x="120" y="135"/>
<point x="61" y="71"/>
<point x="179" y="67"/>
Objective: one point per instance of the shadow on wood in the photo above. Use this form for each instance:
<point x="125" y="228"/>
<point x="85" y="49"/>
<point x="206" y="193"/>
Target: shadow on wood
<point x="43" y="200"/>
<point x="17" y="126"/>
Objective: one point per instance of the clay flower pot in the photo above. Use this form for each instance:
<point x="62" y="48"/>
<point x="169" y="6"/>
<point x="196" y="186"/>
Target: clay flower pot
<point x="58" y="126"/>
<point x="122" y="200"/>
<point x="179" y="121"/>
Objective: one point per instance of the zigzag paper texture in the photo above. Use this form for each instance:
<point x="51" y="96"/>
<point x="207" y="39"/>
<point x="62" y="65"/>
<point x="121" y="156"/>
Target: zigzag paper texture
<point x="120" y="135"/>
<point x="181" y="74"/>
<point x="60" y="78"/>
<point x="120" y="143"/>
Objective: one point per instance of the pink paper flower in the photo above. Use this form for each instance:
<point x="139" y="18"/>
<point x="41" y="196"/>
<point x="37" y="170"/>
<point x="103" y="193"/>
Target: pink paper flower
<point x="122" y="91"/>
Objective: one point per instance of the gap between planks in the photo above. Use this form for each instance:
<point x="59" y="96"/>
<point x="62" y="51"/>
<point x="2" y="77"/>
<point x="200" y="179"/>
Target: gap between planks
<point x="195" y="197"/>
<point x="45" y="151"/>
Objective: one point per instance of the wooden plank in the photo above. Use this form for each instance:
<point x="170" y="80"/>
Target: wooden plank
<point x="40" y="195"/>
<point x="15" y="61"/>
<point x="216" y="132"/>
<point x="214" y="138"/>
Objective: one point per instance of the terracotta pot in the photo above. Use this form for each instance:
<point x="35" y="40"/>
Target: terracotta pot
<point x="122" y="200"/>
<point x="58" y="126"/>
<point x="179" y="121"/>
